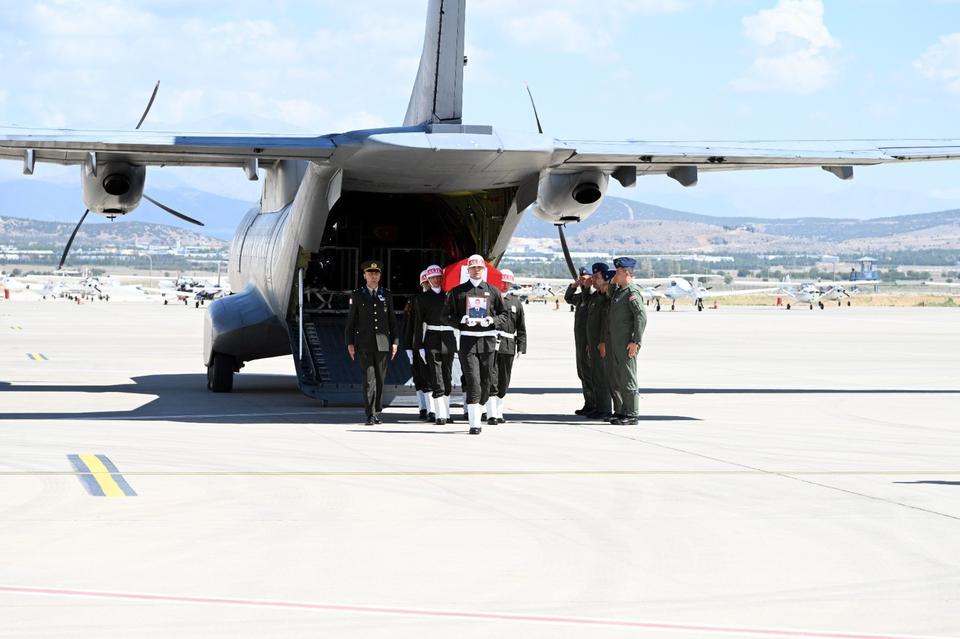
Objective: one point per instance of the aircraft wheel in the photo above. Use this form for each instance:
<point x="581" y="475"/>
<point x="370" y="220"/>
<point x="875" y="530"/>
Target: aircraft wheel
<point x="198" y="305"/>
<point x="821" y="305"/>
<point x="220" y="373"/>
<point x="788" y="307"/>
<point x="165" y="302"/>
<point x="811" y="307"/>
<point x="699" y="305"/>
<point x="673" y="307"/>
<point x="848" y="303"/>
<point x="185" y="302"/>
<point x="658" y="308"/>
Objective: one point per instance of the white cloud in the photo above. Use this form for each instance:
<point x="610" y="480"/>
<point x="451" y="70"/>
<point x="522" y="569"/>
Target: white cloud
<point x="792" y="45"/>
<point x="941" y="62"/>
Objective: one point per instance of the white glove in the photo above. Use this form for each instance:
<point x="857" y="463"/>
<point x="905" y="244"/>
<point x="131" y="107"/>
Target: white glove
<point x="466" y="320"/>
<point x="423" y="355"/>
<point x="410" y="355"/>
<point x="486" y="321"/>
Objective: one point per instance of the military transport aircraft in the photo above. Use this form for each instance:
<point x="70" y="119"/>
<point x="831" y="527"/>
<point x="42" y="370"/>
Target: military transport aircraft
<point x="431" y="190"/>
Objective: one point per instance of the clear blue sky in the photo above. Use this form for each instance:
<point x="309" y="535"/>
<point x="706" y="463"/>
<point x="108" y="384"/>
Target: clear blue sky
<point x="610" y="69"/>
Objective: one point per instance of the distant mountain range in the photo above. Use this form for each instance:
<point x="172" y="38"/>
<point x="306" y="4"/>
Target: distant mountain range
<point x="40" y="234"/>
<point x="618" y="224"/>
<point x="51" y="201"/>
<point x="627" y="224"/>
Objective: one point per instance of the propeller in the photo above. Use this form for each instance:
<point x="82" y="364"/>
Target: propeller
<point x="164" y="207"/>
<point x="563" y="238"/>
<point x="66" y="249"/>
<point x="566" y="252"/>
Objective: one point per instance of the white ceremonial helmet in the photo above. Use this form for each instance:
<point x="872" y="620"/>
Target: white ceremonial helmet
<point x="506" y="275"/>
<point x="423" y="276"/>
<point x="476" y="260"/>
<point x="434" y="271"/>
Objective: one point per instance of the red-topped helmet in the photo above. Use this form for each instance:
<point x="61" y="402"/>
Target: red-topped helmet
<point x="507" y="275"/>
<point x="476" y="260"/>
<point x="423" y="276"/>
<point x="434" y="271"/>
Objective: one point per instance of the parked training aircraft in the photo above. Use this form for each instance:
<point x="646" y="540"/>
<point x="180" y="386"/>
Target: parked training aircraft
<point x="681" y="288"/>
<point x="810" y="294"/>
<point x="431" y="190"/>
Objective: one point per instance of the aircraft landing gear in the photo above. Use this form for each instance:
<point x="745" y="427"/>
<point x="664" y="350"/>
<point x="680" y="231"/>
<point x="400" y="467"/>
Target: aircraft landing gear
<point x="658" y="305"/>
<point x="811" y="306"/>
<point x="673" y="306"/>
<point x="821" y="305"/>
<point x="848" y="302"/>
<point x="220" y="373"/>
<point x="198" y="305"/>
<point x="788" y="307"/>
<point x="699" y="305"/>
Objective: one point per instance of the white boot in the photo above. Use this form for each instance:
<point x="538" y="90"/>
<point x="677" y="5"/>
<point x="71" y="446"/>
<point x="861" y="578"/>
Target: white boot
<point x="421" y="401"/>
<point x="492" y="410"/>
<point x="500" y="419"/>
<point x="473" y="417"/>
<point x="446" y="407"/>
<point x="442" y="411"/>
<point x="431" y="404"/>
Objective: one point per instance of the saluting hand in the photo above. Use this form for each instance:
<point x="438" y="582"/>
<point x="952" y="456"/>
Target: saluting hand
<point x="352" y="351"/>
<point x="632" y="349"/>
<point x="393" y="351"/>
<point x="602" y="348"/>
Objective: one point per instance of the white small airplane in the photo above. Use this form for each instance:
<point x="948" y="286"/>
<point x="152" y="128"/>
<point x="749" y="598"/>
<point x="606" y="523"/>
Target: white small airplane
<point x="681" y="288"/>
<point x="810" y="294"/>
<point x="538" y="292"/>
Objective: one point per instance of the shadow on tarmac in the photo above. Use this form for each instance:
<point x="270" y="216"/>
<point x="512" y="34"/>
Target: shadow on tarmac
<point x="938" y="482"/>
<point x="755" y="391"/>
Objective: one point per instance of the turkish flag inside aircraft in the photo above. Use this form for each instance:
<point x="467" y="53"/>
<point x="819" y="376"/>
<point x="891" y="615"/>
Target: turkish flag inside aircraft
<point x="456" y="274"/>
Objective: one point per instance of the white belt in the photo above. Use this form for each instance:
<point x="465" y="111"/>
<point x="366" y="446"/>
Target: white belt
<point x="433" y="327"/>
<point x="478" y="333"/>
<point x="506" y="334"/>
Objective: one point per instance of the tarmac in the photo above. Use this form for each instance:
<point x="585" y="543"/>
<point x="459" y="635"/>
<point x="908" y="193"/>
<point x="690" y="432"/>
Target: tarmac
<point x="795" y="474"/>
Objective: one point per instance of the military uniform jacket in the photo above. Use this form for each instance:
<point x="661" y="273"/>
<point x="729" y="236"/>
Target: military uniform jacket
<point x="371" y="321"/>
<point x="627" y="316"/>
<point x="598" y="308"/>
<point x="474" y="339"/>
<point x="579" y="302"/>
<point x="513" y="332"/>
<point x="427" y="313"/>
<point x="406" y="343"/>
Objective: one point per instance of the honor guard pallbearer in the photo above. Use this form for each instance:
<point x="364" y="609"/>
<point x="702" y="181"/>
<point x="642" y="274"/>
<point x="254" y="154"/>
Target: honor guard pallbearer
<point x="419" y="366"/>
<point x="371" y="336"/>
<point x="512" y="343"/>
<point x="475" y="308"/>
<point x="435" y="343"/>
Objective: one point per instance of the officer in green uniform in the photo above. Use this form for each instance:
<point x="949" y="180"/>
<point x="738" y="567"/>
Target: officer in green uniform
<point x="628" y="319"/>
<point x="371" y="336"/>
<point x="579" y="301"/>
<point x="608" y="367"/>
<point x="596" y="334"/>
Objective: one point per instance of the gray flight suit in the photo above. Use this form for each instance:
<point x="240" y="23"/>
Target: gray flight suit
<point x="597" y="309"/>
<point x="628" y="319"/>
<point x="579" y="302"/>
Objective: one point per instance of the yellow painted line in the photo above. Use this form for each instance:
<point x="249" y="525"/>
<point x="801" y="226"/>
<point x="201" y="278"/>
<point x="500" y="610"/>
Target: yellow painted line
<point x="37" y="357"/>
<point x="102" y="476"/>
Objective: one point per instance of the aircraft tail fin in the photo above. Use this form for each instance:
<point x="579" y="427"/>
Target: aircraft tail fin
<point x="438" y="91"/>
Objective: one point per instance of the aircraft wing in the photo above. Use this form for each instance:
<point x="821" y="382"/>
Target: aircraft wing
<point x="66" y="146"/>
<point x="663" y="157"/>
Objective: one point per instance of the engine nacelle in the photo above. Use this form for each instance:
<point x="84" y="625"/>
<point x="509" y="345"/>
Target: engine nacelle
<point x="113" y="188"/>
<point x="569" y="197"/>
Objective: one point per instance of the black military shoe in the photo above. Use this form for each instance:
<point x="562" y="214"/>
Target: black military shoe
<point x="450" y="420"/>
<point x="615" y="418"/>
<point x="474" y="430"/>
<point x="492" y="421"/>
<point x="629" y="421"/>
<point x="440" y="421"/>
<point x="423" y="414"/>
<point x="501" y="420"/>
<point x="370" y="420"/>
<point x="594" y="414"/>
<point x="431" y="417"/>
<point x="376" y="419"/>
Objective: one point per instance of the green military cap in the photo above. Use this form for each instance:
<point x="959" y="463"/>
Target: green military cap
<point x="371" y="265"/>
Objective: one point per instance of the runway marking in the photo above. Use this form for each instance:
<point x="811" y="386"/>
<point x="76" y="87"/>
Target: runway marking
<point x="16" y="328"/>
<point x="494" y="473"/>
<point x="100" y="476"/>
<point x="37" y="356"/>
<point x="454" y="614"/>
